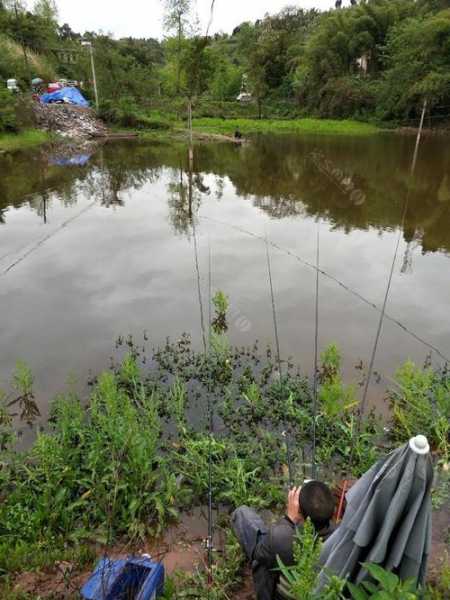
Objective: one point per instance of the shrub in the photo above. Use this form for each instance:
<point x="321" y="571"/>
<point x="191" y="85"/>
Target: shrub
<point x="98" y="474"/>
<point x="346" y="97"/>
<point x="126" y="113"/>
<point x="387" y="585"/>
<point x="299" y="580"/>
<point x="8" y="118"/>
<point x="421" y="404"/>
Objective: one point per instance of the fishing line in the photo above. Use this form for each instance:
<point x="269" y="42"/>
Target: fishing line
<point x="46" y="238"/>
<point x="335" y="280"/>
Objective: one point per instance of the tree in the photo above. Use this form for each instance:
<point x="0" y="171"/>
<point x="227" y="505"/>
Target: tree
<point x="177" y="20"/>
<point x="262" y="66"/>
<point x="46" y="9"/>
<point x="418" y="65"/>
<point x="226" y="77"/>
<point x="328" y="70"/>
<point x="46" y="24"/>
<point x="197" y="66"/>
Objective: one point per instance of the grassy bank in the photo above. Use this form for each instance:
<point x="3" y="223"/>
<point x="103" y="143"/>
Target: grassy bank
<point x="10" y="142"/>
<point x="301" y="126"/>
<point x="166" y="124"/>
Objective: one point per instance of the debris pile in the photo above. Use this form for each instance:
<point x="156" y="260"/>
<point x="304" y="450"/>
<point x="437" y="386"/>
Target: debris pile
<point x="69" y="121"/>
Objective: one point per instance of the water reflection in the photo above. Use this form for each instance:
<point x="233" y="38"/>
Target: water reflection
<point x="185" y="191"/>
<point x="78" y="160"/>
<point x="116" y="249"/>
<point x="352" y="184"/>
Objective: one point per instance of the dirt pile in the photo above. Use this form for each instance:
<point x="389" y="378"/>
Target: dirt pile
<point x="69" y="121"/>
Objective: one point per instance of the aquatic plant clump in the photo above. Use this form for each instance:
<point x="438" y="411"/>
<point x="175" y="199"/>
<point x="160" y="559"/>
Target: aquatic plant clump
<point x="421" y="402"/>
<point x="122" y="465"/>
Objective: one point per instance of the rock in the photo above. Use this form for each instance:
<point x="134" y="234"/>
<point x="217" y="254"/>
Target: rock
<point x="69" y="121"/>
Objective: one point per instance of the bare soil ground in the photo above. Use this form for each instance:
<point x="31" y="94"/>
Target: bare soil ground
<point x="182" y="549"/>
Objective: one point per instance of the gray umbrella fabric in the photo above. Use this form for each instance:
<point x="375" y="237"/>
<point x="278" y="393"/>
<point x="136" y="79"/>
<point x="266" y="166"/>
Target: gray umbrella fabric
<point x="387" y="520"/>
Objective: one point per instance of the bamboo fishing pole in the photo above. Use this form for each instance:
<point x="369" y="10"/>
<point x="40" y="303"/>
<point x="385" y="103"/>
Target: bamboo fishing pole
<point x="286" y="432"/>
<point x="209" y="545"/>
<point x="316" y="352"/>
<point x="362" y="407"/>
<point x="210" y="541"/>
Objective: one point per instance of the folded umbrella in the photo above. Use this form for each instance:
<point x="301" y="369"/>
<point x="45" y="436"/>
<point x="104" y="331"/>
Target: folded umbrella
<point x="387" y="520"/>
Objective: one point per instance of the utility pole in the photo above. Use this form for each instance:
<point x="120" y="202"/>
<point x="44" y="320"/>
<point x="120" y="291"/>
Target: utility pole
<point x="87" y="44"/>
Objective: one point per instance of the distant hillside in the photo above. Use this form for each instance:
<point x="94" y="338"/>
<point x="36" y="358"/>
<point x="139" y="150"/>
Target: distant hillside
<point x="12" y="61"/>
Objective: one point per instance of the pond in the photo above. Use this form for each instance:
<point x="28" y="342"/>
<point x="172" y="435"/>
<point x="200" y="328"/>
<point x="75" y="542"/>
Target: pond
<point x="106" y="245"/>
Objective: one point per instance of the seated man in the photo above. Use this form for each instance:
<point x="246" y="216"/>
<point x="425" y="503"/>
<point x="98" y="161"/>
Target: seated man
<point x="263" y="544"/>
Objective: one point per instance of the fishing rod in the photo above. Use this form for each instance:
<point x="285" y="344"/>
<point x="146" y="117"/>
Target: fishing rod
<point x="211" y="18"/>
<point x="335" y="280"/>
<point x="209" y="542"/>
<point x="391" y="273"/>
<point x="274" y="313"/>
<point x="209" y="291"/>
<point x="362" y="407"/>
<point x="285" y="434"/>
<point x="316" y="352"/>
<point x="197" y="268"/>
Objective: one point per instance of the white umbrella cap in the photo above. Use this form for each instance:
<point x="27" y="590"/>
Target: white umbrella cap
<point x="419" y="444"/>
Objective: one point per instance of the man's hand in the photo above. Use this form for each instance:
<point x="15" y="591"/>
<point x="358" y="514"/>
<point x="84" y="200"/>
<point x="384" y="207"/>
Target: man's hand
<point x="293" y="505"/>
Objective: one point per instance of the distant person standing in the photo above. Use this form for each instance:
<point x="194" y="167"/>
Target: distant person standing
<point x="238" y="134"/>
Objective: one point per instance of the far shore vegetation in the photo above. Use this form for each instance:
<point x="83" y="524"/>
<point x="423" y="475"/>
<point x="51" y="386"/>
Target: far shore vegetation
<point x="377" y="63"/>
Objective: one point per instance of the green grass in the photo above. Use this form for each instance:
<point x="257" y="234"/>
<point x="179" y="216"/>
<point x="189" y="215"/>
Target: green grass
<point x="306" y="126"/>
<point x="10" y="142"/>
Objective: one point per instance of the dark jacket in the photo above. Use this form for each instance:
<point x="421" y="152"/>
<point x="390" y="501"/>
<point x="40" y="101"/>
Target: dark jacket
<point x="279" y="541"/>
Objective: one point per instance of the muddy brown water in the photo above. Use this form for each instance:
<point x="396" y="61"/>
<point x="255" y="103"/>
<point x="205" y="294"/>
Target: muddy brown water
<point x="92" y="247"/>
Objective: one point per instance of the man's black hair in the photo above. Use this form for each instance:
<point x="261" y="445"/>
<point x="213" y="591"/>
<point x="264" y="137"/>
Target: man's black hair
<point x="317" y="503"/>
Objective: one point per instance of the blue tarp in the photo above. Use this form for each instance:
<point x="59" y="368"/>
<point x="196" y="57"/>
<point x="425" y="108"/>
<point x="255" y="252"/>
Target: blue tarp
<point x="67" y="94"/>
<point x="79" y="160"/>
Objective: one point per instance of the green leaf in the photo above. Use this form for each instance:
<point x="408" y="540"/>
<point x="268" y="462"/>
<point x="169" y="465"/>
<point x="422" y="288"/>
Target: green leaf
<point x="388" y="580"/>
<point x="410" y="585"/>
<point x="357" y="592"/>
<point x="382" y="595"/>
<point x="370" y="587"/>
